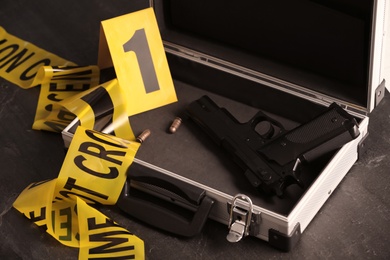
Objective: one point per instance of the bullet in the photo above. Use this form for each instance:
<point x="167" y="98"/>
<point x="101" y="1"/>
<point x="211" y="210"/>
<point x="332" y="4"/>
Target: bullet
<point x="175" y="125"/>
<point x="143" y="136"/>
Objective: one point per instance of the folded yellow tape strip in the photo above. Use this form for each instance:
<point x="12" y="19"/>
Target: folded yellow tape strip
<point x="96" y="164"/>
<point x="101" y="102"/>
<point x="20" y="60"/>
<point x="93" y="172"/>
<point x="60" y="83"/>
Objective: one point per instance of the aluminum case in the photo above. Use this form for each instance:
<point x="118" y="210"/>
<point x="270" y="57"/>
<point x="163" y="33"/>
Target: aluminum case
<point x="244" y="83"/>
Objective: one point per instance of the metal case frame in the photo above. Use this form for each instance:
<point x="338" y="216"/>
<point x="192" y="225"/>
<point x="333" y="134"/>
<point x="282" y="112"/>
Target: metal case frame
<point x="283" y="231"/>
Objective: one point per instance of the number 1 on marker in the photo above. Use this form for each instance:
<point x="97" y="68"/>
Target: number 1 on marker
<point x="140" y="46"/>
<point x="133" y="43"/>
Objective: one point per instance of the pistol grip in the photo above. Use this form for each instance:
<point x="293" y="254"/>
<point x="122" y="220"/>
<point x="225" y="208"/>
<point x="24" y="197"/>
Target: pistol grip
<point x="325" y="133"/>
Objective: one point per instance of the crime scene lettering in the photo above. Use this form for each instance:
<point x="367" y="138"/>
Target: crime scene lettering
<point x="71" y="185"/>
<point x="138" y="44"/>
<point x="66" y="77"/>
<point x="13" y="58"/>
<point x="86" y="198"/>
<point x="37" y="65"/>
<point x="35" y="184"/>
<point x="93" y="225"/>
<point x="94" y="135"/>
<point x="60" y="74"/>
<point x="16" y="59"/>
<point x="64" y="214"/>
<point x="102" y="154"/>
<point x="64" y="83"/>
<point x="68" y="87"/>
<point x="55" y="126"/>
<point x="39" y="220"/>
<point x="111" y="237"/>
<point x="42" y="215"/>
<point x="53" y="97"/>
<point x="62" y="114"/>
<point x="63" y="118"/>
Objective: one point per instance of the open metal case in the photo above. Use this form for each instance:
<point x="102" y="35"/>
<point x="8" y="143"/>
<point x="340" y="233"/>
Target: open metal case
<point x="289" y="59"/>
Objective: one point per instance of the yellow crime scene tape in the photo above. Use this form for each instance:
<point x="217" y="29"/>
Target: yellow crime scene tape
<point x="20" y="60"/>
<point x="95" y="167"/>
<point x="57" y="204"/>
<point x="93" y="173"/>
<point x="57" y="84"/>
<point x="99" y="102"/>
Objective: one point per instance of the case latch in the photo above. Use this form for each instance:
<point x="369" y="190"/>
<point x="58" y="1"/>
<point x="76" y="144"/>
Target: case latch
<point x="240" y="218"/>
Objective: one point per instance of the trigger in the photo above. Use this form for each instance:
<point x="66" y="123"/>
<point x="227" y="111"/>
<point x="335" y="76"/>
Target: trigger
<point x="289" y="179"/>
<point x="296" y="169"/>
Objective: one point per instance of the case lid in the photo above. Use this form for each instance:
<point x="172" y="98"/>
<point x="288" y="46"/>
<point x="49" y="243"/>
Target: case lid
<point x="326" y="50"/>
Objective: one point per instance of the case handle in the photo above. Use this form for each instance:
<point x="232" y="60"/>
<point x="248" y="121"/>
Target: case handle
<point x="163" y="201"/>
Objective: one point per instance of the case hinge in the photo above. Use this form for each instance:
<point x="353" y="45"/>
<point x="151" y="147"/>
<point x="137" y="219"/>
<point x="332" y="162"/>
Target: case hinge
<point x="380" y="92"/>
<point x="242" y="220"/>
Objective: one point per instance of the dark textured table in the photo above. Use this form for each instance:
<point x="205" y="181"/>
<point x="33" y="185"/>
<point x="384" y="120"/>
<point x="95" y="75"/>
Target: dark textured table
<point x="354" y="222"/>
